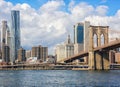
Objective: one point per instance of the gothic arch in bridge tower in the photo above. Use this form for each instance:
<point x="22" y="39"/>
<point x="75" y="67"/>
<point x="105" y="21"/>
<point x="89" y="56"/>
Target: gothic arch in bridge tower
<point x="95" y="43"/>
<point x="102" y="34"/>
<point x="102" y="39"/>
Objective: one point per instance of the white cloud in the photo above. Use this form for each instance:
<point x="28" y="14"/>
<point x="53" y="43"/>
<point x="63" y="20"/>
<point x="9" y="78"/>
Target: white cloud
<point x="50" y="24"/>
<point x="101" y="10"/>
<point x="5" y="9"/>
<point x="81" y="10"/>
<point x="97" y="20"/>
<point x="52" y="6"/>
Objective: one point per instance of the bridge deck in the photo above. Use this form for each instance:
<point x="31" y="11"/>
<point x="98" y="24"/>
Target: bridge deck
<point x="109" y="46"/>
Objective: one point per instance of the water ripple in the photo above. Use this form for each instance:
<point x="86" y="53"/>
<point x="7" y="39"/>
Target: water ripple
<point x="59" y="78"/>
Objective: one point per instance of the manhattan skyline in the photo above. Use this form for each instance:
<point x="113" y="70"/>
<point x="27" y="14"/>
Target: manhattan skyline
<point x="48" y="22"/>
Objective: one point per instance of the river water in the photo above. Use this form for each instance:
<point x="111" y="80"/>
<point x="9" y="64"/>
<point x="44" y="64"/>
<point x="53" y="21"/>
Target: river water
<point x="59" y="78"/>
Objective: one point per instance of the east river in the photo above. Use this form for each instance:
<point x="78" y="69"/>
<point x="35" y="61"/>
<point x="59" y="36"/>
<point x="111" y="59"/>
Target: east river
<point x="59" y="78"/>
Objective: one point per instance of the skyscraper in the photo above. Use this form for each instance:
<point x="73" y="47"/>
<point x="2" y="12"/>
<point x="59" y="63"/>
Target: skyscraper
<point x="78" y="37"/>
<point x="15" y="34"/>
<point x="0" y="46"/>
<point x="81" y="37"/>
<point x="78" y="33"/>
<point x="3" y="33"/>
<point x="4" y="41"/>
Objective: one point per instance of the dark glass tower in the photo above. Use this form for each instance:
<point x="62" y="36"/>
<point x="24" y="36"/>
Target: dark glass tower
<point x="79" y="33"/>
<point x="15" y="33"/>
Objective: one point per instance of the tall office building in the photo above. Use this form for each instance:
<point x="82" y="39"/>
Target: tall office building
<point x="78" y="37"/>
<point x="4" y="33"/>
<point x="81" y="37"/>
<point x="81" y="34"/>
<point x="78" y="33"/>
<point x="15" y="34"/>
<point x="3" y="37"/>
<point x="5" y="41"/>
<point x="0" y="47"/>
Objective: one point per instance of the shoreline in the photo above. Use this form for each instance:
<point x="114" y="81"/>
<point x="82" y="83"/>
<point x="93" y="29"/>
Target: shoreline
<point x="43" y="67"/>
<point x="74" y="69"/>
<point x="49" y="67"/>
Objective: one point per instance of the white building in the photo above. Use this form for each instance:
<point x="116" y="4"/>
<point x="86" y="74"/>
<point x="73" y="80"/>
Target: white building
<point x="86" y="35"/>
<point x="65" y="50"/>
<point x="60" y="52"/>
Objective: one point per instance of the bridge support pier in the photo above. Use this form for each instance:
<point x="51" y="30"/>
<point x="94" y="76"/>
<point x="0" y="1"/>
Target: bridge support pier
<point x="91" y="61"/>
<point x="99" y="60"/>
<point x="105" y="57"/>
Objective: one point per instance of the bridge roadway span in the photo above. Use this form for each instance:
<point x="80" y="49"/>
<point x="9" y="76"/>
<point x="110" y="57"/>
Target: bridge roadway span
<point x="111" y="45"/>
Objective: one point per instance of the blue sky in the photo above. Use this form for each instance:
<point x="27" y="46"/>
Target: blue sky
<point x="113" y="5"/>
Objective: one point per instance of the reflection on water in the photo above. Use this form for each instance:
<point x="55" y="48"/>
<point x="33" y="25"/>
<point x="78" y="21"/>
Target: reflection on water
<point x="59" y="78"/>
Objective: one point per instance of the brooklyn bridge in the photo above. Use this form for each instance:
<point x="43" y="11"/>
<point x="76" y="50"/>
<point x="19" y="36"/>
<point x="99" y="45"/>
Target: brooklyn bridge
<point x="97" y="56"/>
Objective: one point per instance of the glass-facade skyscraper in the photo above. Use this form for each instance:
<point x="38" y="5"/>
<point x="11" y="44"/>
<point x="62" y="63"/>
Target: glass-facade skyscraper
<point x="79" y="33"/>
<point x="15" y="34"/>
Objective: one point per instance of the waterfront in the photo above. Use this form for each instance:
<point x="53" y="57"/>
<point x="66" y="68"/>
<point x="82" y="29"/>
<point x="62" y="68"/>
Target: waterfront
<point x="59" y="78"/>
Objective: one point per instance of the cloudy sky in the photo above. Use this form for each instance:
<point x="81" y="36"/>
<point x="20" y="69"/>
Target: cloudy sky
<point x="48" y="22"/>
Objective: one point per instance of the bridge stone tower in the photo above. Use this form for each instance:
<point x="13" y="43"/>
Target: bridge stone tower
<point x="98" y="60"/>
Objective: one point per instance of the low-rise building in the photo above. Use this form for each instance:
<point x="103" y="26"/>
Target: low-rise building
<point x="32" y="60"/>
<point x="21" y="55"/>
<point x="117" y="57"/>
<point x="28" y="54"/>
<point x="51" y="59"/>
<point x="40" y="52"/>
